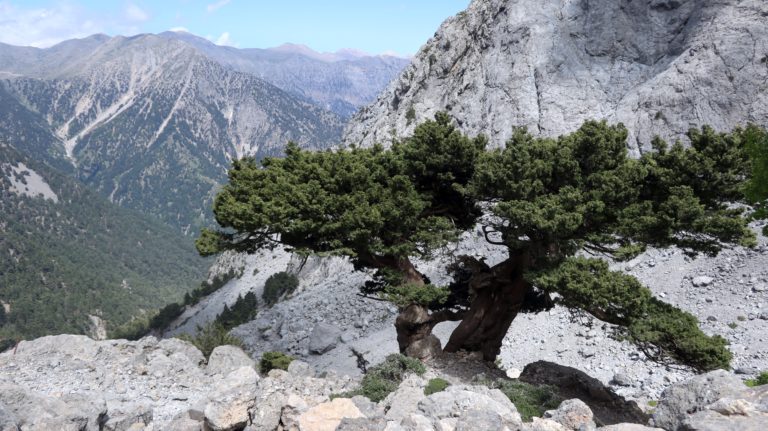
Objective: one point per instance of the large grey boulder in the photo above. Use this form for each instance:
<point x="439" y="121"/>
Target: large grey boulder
<point x="225" y="359"/>
<point x="658" y="66"/>
<point x="456" y="400"/>
<point x="39" y="412"/>
<point x="323" y="338"/>
<point x="229" y="402"/>
<point x="573" y="415"/>
<point x="682" y="399"/>
<point x="405" y="400"/>
<point x="607" y="406"/>
<point x="8" y="420"/>
<point x="128" y="416"/>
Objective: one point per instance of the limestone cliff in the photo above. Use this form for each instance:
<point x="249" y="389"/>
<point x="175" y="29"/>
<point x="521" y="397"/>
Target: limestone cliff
<point x="658" y="66"/>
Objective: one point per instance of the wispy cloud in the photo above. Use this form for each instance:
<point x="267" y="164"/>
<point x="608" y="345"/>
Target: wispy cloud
<point x="44" y="26"/>
<point x="224" y="40"/>
<point x="179" y="29"/>
<point x="213" y="7"/>
<point x="135" y="13"/>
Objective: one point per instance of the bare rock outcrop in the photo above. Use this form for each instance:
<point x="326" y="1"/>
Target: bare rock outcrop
<point x="658" y="66"/>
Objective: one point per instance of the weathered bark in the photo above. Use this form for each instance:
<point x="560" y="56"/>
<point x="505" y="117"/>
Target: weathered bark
<point x="499" y="296"/>
<point x="415" y="322"/>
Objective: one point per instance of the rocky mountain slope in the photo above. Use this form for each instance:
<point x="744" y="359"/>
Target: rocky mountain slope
<point x="658" y="66"/>
<point x="74" y="383"/>
<point x="149" y="121"/>
<point x="341" y="82"/>
<point x="326" y="320"/>
<point x="74" y="262"/>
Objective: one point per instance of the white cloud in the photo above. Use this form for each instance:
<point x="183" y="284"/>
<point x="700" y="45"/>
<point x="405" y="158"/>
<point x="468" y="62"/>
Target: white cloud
<point x="179" y="29"/>
<point x="135" y="13"/>
<point x="44" y="26"/>
<point x="213" y="7"/>
<point x="225" y="40"/>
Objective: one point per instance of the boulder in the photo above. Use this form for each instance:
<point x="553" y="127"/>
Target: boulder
<point x="679" y="400"/>
<point x="457" y="400"/>
<point x="225" y="359"/>
<point x="702" y="281"/>
<point x="327" y="416"/>
<point x="127" y="416"/>
<point x="8" y="420"/>
<point x="405" y="400"/>
<point x="39" y="412"/>
<point x="573" y="415"/>
<point x="540" y="424"/>
<point x="323" y="338"/>
<point x="628" y="427"/>
<point x="476" y="419"/>
<point x="362" y="424"/>
<point x="607" y="406"/>
<point x="299" y="368"/>
<point x="190" y="352"/>
<point x="229" y="403"/>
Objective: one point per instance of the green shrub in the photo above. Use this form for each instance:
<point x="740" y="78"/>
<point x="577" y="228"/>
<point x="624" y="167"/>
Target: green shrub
<point x="243" y="310"/>
<point x="436" y="385"/>
<point x="653" y="403"/>
<point x="211" y="336"/>
<point x="274" y="361"/>
<point x="530" y="400"/>
<point x="384" y="378"/>
<point x="278" y="285"/>
<point x="134" y="329"/>
<point x="762" y="379"/>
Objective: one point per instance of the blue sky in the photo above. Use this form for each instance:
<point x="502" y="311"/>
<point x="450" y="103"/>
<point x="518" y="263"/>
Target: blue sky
<point x="374" y="26"/>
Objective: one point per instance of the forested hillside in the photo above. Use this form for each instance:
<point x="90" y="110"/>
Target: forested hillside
<point x="68" y="253"/>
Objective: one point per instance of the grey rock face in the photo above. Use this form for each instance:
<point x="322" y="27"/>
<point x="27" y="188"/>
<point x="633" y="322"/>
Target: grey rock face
<point x="457" y="400"/>
<point x="692" y="395"/>
<point x="225" y="359"/>
<point x="323" y="338"/>
<point x="660" y="67"/>
<point x="573" y="415"/>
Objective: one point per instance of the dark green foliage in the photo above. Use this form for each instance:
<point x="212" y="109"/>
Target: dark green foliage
<point x="3" y="317"/>
<point x="243" y="310"/>
<point x="530" y="400"/>
<point x="384" y="378"/>
<point x="407" y="294"/>
<point x="373" y="205"/>
<point x="211" y="336"/>
<point x="6" y="344"/>
<point x="206" y="288"/>
<point x="82" y="255"/>
<point x="165" y="316"/>
<point x="278" y="285"/>
<point x="756" y="188"/>
<point x="659" y="329"/>
<point x="762" y="379"/>
<point x="274" y="361"/>
<point x="134" y="329"/>
<point x="435" y="385"/>
<point x="551" y="200"/>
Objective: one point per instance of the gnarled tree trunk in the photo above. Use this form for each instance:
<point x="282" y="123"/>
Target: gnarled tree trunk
<point x="414" y="324"/>
<point x="499" y="295"/>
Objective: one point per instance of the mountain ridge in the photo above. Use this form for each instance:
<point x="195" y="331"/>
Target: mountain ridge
<point x="659" y="66"/>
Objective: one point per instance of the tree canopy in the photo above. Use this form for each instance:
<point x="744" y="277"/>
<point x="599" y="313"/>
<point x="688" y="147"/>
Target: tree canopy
<point x="562" y="207"/>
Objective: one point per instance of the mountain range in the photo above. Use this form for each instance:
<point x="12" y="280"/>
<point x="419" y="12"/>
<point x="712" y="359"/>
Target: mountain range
<point x="152" y="121"/>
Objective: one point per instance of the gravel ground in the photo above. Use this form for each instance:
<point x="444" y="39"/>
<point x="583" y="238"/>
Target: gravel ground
<point x="732" y="302"/>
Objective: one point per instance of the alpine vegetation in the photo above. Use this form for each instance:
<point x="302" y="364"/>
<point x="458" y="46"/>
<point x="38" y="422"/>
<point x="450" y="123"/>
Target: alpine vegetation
<point x="562" y="207"/>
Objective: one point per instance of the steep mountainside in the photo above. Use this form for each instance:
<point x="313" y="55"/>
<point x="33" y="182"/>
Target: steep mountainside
<point x="149" y="121"/>
<point x="67" y="253"/>
<point x="658" y="66"/>
<point x="341" y="82"/>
